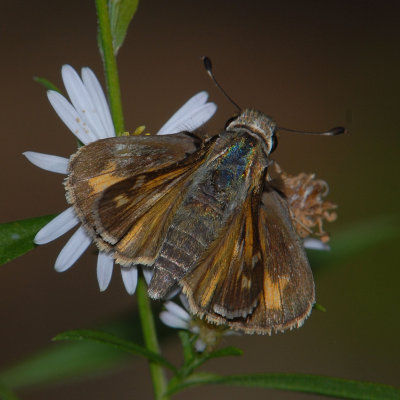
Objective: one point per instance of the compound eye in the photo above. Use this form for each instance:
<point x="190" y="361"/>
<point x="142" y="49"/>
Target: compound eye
<point x="274" y="143"/>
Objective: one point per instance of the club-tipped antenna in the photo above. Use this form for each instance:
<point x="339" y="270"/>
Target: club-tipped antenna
<point x="208" y="67"/>
<point x="332" y="132"/>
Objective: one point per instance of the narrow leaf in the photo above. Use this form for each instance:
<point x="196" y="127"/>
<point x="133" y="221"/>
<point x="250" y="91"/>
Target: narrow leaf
<point x="114" y="341"/>
<point x="199" y="359"/>
<point x="16" y="238"/>
<point x="225" y="352"/>
<point x="314" y="384"/>
<point x="46" y="83"/>
<point x="121" y="14"/>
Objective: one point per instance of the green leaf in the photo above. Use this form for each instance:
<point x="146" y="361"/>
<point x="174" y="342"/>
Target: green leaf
<point x="355" y="240"/>
<point x="6" y="393"/>
<point x="225" y="352"/>
<point x="121" y="13"/>
<point x="16" y="238"/>
<point x="46" y="83"/>
<point x="191" y="356"/>
<point x="199" y="359"/>
<point x="114" y="341"/>
<point x="314" y="384"/>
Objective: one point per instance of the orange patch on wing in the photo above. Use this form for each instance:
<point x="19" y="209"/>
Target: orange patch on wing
<point x="273" y="291"/>
<point x="159" y="180"/>
<point x="141" y="226"/>
<point x="210" y="288"/>
<point x="101" y="182"/>
<point x="147" y="232"/>
<point x="228" y="250"/>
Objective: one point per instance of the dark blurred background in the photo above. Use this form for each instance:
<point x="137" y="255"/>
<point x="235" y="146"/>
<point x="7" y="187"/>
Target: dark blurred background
<point x="311" y="65"/>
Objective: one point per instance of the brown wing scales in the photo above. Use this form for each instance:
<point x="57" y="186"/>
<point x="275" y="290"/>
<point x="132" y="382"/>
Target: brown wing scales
<point x="280" y="292"/>
<point x="124" y="190"/>
<point x="228" y="280"/>
<point x="134" y="217"/>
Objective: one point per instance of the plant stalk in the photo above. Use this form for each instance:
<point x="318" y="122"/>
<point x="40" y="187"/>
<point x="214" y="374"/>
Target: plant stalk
<point x="150" y="339"/>
<point x="110" y="65"/>
<point x="114" y="95"/>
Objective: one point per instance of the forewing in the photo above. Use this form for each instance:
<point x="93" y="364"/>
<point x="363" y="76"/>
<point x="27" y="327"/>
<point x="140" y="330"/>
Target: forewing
<point x="119" y="181"/>
<point x="133" y="215"/>
<point x="227" y="282"/>
<point x="284" y="284"/>
<point x="288" y="285"/>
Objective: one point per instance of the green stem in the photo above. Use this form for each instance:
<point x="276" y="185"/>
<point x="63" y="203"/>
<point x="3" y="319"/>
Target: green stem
<point x="110" y="65"/>
<point x="150" y="339"/>
<point x="114" y="95"/>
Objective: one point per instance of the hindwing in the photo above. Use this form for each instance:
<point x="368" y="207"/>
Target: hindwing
<point x="257" y="278"/>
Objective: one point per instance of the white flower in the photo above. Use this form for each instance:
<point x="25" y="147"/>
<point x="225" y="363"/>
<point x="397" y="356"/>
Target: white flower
<point x="89" y="119"/>
<point x="177" y="317"/>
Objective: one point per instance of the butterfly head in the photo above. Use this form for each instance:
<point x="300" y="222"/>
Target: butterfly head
<point x="256" y="124"/>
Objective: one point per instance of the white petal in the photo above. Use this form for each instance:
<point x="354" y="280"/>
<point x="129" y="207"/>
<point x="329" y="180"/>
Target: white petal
<point x="173" y="293"/>
<point x="99" y="100"/>
<point x="195" y="119"/>
<point x="315" y="244"/>
<point x="200" y="346"/>
<point x="173" y="321"/>
<point x="193" y="103"/>
<point x="177" y="310"/>
<point x="57" y="226"/>
<point x="184" y="301"/>
<point x="129" y="277"/>
<point x="148" y="274"/>
<point x="74" y="248"/>
<point x="105" y="264"/>
<point x="190" y="116"/>
<point x="70" y="117"/>
<point x="81" y="100"/>
<point x="48" y="162"/>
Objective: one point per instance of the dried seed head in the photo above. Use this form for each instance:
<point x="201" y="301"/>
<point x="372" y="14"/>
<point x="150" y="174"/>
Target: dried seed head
<point x="306" y="204"/>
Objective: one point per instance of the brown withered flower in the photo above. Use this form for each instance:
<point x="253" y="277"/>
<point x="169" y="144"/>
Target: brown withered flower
<point x="305" y="195"/>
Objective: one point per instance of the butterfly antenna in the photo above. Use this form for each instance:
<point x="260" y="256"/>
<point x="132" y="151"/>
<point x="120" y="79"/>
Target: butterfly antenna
<point x="332" y="132"/>
<point x="208" y="67"/>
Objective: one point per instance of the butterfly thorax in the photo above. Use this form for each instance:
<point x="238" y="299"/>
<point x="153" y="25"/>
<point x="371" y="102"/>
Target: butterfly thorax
<point x="256" y="124"/>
